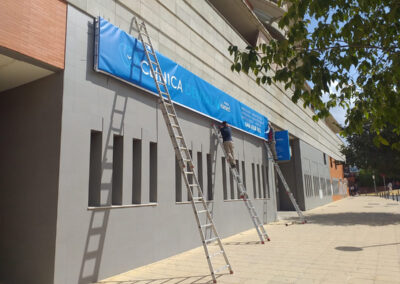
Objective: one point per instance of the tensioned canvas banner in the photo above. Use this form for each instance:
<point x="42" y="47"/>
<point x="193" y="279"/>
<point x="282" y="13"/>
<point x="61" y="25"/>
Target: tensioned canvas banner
<point x="282" y="145"/>
<point x="122" y="56"/>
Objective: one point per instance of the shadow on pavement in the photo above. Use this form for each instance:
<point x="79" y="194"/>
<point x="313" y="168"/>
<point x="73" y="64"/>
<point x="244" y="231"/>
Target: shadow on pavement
<point x="361" y="248"/>
<point x="349" y="248"/>
<point x="354" y="218"/>
<point x="241" y="243"/>
<point x="201" y="279"/>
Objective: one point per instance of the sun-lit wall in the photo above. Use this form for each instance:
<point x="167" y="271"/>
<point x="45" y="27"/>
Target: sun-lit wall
<point x="337" y="175"/>
<point x="35" y="28"/>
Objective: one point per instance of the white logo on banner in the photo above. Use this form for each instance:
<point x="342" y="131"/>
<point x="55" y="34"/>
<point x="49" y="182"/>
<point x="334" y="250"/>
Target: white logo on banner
<point x="225" y="106"/>
<point x="170" y="80"/>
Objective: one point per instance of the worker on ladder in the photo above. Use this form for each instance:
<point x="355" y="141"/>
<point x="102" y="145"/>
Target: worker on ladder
<point x="272" y="141"/>
<point x="226" y="133"/>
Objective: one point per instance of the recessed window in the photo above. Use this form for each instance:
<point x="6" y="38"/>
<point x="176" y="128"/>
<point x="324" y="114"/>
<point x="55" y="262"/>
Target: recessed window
<point x="118" y="156"/>
<point x="231" y="181"/>
<point x="224" y="185"/>
<point x="190" y="178"/>
<point x="210" y="193"/>
<point x="237" y="186"/>
<point x="253" y="174"/>
<point x="95" y="168"/>
<point x="178" y="182"/>
<point x="200" y="168"/>
<point x="244" y="173"/>
<point x="136" y="171"/>
<point x="259" y="181"/>
<point x="153" y="172"/>
<point x="264" y="181"/>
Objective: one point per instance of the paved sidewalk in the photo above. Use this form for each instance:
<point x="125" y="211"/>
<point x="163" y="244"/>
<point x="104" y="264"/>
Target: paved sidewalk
<point x="355" y="240"/>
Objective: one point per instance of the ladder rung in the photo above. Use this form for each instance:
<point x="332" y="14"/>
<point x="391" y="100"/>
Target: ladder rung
<point x="216" y="253"/>
<point x="197" y="198"/>
<point x="182" y="148"/>
<point x="202" y="211"/>
<point x="189" y="173"/>
<point x="171" y="114"/>
<point x="208" y="241"/>
<point x="221" y="268"/>
<point x="175" y="125"/>
<point x="194" y="184"/>
<point x="206" y="225"/>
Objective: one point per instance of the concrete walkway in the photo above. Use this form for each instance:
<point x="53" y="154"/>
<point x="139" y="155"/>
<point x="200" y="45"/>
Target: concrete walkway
<point x="355" y="240"/>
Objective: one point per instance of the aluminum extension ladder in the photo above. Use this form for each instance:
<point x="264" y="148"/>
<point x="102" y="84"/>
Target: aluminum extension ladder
<point x="182" y="153"/>
<point x="286" y="186"/>
<point x="262" y="234"/>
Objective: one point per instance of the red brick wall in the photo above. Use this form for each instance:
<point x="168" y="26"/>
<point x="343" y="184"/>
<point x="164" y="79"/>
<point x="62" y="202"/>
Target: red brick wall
<point x="336" y="172"/>
<point x="35" y="28"/>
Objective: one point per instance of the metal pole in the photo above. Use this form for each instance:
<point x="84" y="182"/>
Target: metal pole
<point x="373" y="177"/>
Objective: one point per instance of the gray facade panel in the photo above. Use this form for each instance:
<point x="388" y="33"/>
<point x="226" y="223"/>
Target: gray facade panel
<point x="96" y="243"/>
<point x="314" y="166"/>
<point x="30" y="121"/>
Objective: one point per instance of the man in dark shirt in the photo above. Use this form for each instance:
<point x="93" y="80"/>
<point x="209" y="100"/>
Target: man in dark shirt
<point x="228" y="143"/>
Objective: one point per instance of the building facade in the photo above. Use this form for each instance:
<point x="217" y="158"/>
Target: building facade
<point x="89" y="183"/>
<point x="339" y="183"/>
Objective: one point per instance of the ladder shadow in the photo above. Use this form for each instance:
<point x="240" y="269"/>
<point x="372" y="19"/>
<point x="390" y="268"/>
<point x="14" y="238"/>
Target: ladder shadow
<point x="350" y="248"/>
<point x="242" y="243"/>
<point x="198" y="279"/>
<point x="94" y="245"/>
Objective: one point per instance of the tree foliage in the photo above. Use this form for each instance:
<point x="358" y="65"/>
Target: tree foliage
<point x="364" y="151"/>
<point x="354" y="43"/>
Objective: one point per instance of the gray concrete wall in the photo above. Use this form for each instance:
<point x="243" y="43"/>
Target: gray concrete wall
<point x="312" y="164"/>
<point x="96" y="242"/>
<point x="30" y="121"/>
<point x="193" y="34"/>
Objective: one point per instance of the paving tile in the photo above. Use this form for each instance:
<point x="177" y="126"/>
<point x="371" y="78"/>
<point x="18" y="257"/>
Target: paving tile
<point x="340" y="244"/>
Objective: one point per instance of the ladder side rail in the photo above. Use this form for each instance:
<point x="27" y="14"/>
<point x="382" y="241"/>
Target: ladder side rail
<point x="155" y="77"/>
<point x="234" y="171"/>
<point x="285" y="185"/>
<point x="242" y="189"/>
<point x="203" y="239"/>
<point x="158" y="65"/>
<point x="181" y="149"/>
<point x="289" y="193"/>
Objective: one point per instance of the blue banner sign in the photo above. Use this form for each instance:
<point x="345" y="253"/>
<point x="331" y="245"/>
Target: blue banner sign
<point x="282" y="145"/>
<point x="122" y="56"/>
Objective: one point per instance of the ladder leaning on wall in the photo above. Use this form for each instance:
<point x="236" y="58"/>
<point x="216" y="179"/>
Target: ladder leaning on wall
<point x="182" y="153"/>
<point x="262" y="234"/>
<point x="285" y="185"/>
